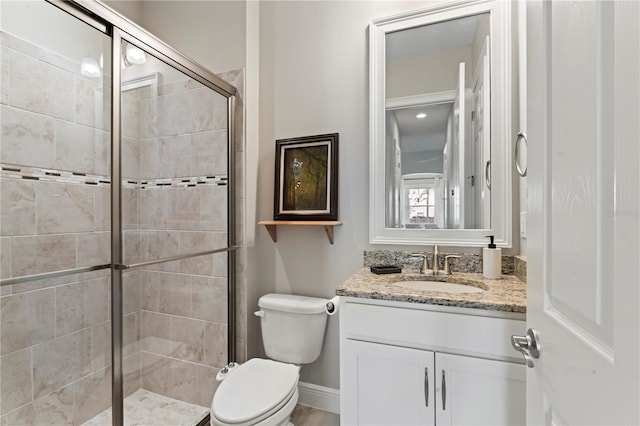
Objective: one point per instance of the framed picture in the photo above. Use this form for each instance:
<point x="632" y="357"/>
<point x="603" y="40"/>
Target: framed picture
<point x="306" y="185"/>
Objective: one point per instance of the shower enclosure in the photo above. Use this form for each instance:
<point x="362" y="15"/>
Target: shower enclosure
<point x="117" y="221"/>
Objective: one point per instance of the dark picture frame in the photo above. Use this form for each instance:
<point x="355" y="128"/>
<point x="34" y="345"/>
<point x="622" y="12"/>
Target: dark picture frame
<point x="306" y="181"/>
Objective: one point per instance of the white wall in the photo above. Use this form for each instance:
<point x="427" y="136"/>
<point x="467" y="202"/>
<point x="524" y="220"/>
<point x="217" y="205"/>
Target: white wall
<point x="313" y="80"/>
<point x="211" y="33"/>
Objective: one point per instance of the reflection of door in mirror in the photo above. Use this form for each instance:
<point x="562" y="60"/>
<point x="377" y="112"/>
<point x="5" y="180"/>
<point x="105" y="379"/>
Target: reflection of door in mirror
<point x="436" y="78"/>
<point x="481" y="135"/>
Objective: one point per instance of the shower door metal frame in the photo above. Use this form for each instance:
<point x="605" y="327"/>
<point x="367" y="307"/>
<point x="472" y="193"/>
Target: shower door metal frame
<point x="119" y="28"/>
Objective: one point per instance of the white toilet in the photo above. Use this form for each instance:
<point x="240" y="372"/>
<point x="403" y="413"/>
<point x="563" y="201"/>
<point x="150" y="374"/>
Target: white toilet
<point x="264" y="392"/>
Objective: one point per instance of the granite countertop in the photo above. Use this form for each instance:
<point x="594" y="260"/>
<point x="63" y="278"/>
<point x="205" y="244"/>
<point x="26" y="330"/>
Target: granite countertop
<point x="508" y="294"/>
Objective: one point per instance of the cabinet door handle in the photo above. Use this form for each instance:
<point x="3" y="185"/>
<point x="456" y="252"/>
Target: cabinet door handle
<point x="426" y="386"/>
<point x="444" y="392"/>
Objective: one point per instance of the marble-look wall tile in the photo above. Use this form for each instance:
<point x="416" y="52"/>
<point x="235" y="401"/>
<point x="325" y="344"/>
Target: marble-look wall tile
<point x="129" y="207"/>
<point x="81" y="305"/>
<point x="209" y="298"/>
<point x="131" y="291"/>
<point x="17" y="207"/>
<point x="131" y="158"/>
<point x="61" y="361"/>
<point x="46" y="253"/>
<point x="206" y="385"/>
<point x="220" y="264"/>
<point x="88" y="102"/>
<point x="215" y="344"/>
<point x="213" y="208"/>
<point x="149" y="297"/>
<point x="168" y="110"/>
<point x="15" y="387"/>
<point x="155" y="334"/>
<point x="92" y="395"/>
<point x="39" y="87"/>
<point x="4" y="75"/>
<point x="26" y="319"/>
<point x="27" y="138"/>
<point x="130" y="115"/>
<point x="64" y="208"/>
<point x="175" y="294"/>
<point x="193" y="242"/>
<point x="5" y="260"/>
<point x="100" y="346"/>
<point x="209" y="153"/>
<point x="136" y="246"/>
<point x="198" y="114"/>
<point x="130" y="334"/>
<point x="56" y="408"/>
<point x="102" y="208"/>
<point x="184" y="209"/>
<point x="94" y="249"/>
<point x="76" y="147"/>
<point x="164" y="244"/>
<point x="187" y="339"/>
<point x="131" y="372"/>
<point x="180" y="380"/>
<point x="154" y="208"/>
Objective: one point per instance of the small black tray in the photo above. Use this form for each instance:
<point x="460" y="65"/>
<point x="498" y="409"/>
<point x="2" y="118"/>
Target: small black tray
<point x="385" y="269"/>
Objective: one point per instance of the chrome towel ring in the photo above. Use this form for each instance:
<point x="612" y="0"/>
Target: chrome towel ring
<point x="522" y="136"/>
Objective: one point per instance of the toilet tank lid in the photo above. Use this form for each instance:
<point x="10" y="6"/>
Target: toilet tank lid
<point x="292" y="303"/>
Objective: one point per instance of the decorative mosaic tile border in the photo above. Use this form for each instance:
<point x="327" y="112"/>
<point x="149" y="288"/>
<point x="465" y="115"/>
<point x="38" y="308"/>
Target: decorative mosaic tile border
<point x="12" y="171"/>
<point x="468" y="263"/>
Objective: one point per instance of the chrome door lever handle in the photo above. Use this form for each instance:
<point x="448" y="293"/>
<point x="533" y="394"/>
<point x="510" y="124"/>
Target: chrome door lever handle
<point x="528" y="346"/>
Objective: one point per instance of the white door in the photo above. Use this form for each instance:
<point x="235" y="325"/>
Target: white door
<point x="386" y="385"/>
<point x="475" y="391"/>
<point x="584" y="217"/>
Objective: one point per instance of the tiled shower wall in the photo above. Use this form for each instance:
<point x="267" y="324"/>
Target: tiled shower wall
<point x="55" y="334"/>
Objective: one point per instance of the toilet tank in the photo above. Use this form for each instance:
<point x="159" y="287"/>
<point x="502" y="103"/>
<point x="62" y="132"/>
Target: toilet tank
<point x="292" y="327"/>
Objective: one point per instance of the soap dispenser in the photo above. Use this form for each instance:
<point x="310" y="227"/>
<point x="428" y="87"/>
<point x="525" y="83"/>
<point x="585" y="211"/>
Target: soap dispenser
<point x="492" y="260"/>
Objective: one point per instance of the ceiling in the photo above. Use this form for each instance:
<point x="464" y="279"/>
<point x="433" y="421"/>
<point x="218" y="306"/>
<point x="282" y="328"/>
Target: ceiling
<point x="413" y="130"/>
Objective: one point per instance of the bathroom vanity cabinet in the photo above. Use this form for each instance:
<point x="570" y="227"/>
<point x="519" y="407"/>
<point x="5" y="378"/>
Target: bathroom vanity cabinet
<point x="407" y="363"/>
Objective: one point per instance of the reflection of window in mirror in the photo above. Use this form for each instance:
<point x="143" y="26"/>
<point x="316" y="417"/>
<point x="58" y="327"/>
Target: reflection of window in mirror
<point x="437" y="95"/>
<point x="423" y="201"/>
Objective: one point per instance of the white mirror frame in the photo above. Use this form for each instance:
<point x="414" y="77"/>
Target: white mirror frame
<point x="501" y="124"/>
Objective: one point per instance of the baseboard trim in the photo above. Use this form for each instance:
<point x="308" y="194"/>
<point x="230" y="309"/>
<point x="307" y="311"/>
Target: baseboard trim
<point x="324" y="398"/>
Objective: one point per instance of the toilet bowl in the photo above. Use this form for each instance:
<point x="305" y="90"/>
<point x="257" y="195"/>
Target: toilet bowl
<point x="264" y="392"/>
<point x="260" y="392"/>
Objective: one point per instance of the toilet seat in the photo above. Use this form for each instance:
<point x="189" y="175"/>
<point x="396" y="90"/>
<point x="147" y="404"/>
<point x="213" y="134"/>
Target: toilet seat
<point x="255" y="391"/>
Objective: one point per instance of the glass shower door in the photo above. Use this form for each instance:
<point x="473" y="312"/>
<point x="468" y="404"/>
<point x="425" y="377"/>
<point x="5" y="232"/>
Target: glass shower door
<point x="55" y="328"/>
<point x="174" y="205"/>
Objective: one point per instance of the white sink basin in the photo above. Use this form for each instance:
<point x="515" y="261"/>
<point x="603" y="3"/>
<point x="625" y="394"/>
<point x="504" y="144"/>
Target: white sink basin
<point x="439" y="286"/>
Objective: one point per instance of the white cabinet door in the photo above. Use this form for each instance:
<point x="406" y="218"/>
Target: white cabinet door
<point x="474" y="391"/>
<point x="386" y="385"/>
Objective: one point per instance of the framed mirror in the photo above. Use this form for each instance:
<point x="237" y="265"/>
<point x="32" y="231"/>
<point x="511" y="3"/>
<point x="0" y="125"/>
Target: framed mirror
<point x="440" y="125"/>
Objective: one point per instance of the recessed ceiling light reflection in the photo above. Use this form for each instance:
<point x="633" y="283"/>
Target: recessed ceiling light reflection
<point x="421" y="115"/>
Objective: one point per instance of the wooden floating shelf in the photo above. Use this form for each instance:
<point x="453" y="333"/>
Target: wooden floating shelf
<point x="272" y="226"/>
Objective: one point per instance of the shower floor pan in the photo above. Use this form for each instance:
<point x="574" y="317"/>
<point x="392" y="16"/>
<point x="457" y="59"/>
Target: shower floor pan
<point x="147" y="408"/>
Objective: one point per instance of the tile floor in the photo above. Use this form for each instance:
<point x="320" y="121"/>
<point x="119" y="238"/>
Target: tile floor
<point x="142" y="405"/>
<point x="144" y="408"/>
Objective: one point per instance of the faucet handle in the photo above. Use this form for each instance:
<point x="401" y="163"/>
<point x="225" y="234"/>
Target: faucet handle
<point x="447" y="266"/>
<point x="425" y="261"/>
